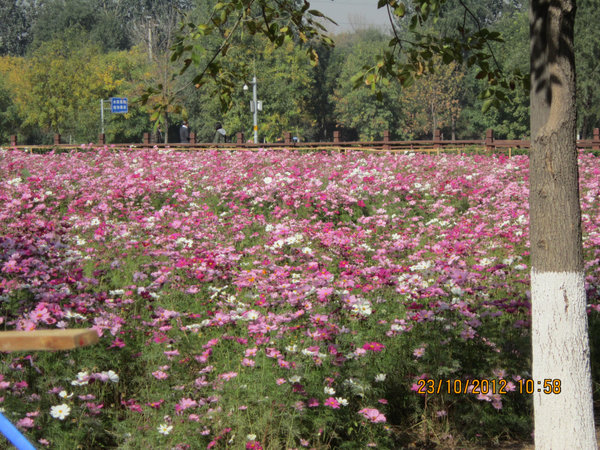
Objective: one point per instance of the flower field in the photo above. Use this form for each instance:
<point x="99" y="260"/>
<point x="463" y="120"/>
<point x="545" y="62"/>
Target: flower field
<point x="271" y="299"/>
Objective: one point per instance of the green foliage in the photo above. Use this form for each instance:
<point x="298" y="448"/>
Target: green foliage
<point x="57" y="17"/>
<point x="15" y="35"/>
<point x="9" y="121"/>
<point x="361" y="110"/>
<point x="306" y="84"/>
<point x="63" y="88"/>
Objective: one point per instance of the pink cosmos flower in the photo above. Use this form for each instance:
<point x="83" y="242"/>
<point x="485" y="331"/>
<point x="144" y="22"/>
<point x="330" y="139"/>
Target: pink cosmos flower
<point x="248" y="362"/>
<point x="332" y="402"/>
<point x="419" y="352"/>
<point x="155" y="405"/>
<point x="170" y="353"/>
<point x="373" y="415"/>
<point x="117" y="343"/>
<point x="373" y="346"/>
<point x="186" y="403"/>
<point x="283" y="364"/>
<point x="201" y="382"/>
<point x="228" y="376"/>
<point x="160" y="375"/>
<point x="25" y="422"/>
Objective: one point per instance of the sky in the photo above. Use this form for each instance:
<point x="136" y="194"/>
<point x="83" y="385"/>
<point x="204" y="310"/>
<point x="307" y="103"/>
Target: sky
<point x="352" y="14"/>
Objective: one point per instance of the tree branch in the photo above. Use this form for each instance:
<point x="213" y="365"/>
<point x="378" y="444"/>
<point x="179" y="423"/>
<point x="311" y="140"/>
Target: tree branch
<point x="476" y="20"/>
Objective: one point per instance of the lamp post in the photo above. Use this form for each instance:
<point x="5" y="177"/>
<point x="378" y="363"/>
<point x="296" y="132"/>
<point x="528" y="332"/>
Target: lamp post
<point x="255" y="105"/>
<point x="149" y="22"/>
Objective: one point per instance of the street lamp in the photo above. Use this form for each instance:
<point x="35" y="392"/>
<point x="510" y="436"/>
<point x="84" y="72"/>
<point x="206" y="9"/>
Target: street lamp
<point x="255" y="106"/>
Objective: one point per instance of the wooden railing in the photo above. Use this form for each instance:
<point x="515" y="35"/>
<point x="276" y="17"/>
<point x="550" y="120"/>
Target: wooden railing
<point x="489" y="143"/>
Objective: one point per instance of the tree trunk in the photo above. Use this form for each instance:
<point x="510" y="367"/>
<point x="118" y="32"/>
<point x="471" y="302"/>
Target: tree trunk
<point x="560" y="340"/>
<point x="166" y="128"/>
<point x="433" y="121"/>
<point x="453" y="127"/>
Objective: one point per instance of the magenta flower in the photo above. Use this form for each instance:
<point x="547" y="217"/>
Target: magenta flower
<point x="332" y="402"/>
<point x="373" y="346"/>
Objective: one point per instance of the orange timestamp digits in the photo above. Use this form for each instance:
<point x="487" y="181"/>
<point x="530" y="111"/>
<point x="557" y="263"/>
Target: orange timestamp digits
<point x="545" y="386"/>
<point x="474" y="386"/>
<point x="488" y="386"/>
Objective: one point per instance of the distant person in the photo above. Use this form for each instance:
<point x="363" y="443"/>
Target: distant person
<point x="220" y="134"/>
<point x="184" y="133"/>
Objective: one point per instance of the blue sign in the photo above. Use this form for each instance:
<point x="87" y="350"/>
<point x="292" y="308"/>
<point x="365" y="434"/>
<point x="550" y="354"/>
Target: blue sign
<point x="118" y="105"/>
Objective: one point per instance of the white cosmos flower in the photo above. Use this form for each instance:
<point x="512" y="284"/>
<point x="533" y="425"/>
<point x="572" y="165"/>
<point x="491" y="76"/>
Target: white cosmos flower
<point x="112" y="376"/>
<point x="329" y="390"/>
<point x="165" y="429"/>
<point x="82" y="379"/>
<point x="60" y="412"/>
<point x="268" y="180"/>
<point x="380" y="377"/>
<point x="342" y="401"/>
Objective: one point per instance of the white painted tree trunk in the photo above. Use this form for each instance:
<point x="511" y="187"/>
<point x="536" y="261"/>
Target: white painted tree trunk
<point x="563" y="420"/>
<point x="559" y="321"/>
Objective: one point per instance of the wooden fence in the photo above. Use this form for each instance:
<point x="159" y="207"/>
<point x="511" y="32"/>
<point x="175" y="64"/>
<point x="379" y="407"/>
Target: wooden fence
<point x="437" y="144"/>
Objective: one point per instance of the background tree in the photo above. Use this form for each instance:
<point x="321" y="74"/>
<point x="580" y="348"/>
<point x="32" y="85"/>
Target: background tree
<point x="125" y="74"/>
<point x="510" y="119"/>
<point x="166" y="94"/>
<point x="61" y="88"/>
<point x="17" y="17"/>
<point x="55" y="17"/>
<point x="431" y="102"/>
<point x="9" y="117"/>
<point x="359" y="112"/>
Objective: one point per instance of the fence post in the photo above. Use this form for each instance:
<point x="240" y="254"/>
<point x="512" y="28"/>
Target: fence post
<point x="489" y="140"/>
<point x="101" y="139"/>
<point x="336" y="140"/>
<point x="146" y="139"/>
<point x="57" y="139"/>
<point x="239" y="137"/>
<point x="596" y="140"/>
<point x="386" y="139"/>
<point x="287" y="138"/>
<point x="192" y="138"/>
<point x="437" y="137"/>
<point x="13" y="140"/>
